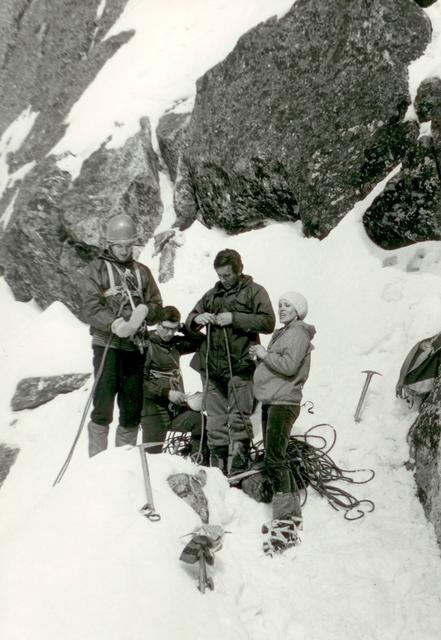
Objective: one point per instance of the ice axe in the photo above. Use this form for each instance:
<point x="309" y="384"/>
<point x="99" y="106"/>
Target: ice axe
<point x="148" y="510"/>
<point x="369" y="375"/>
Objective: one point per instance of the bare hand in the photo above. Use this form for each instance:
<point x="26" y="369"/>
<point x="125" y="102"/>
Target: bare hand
<point x="257" y="351"/>
<point x="224" y="319"/>
<point x="177" y="397"/>
<point x="205" y="318"/>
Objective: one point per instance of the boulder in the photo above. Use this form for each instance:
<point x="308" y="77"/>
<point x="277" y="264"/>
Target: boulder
<point x="409" y="208"/>
<point x="33" y="392"/>
<point x="8" y="456"/>
<point x="281" y="128"/>
<point x="190" y="488"/>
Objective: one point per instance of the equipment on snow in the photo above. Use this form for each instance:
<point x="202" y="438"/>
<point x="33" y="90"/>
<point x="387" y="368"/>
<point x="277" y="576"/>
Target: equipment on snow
<point x="202" y="546"/>
<point x="370" y="373"/>
<point x="148" y="510"/>
<point x="280" y="535"/>
<point x="310" y="465"/>
<point x="419" y="369"/>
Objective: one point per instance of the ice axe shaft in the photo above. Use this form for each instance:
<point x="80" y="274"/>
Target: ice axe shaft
<point x="369" y="374"/>
<point x="149" y="508"/>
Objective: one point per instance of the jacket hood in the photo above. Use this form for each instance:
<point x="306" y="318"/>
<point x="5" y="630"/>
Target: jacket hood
<point x="309" y="328"/>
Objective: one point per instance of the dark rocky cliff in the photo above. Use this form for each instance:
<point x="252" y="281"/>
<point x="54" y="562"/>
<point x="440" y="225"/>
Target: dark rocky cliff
<point x="304" y="116"/>
<point x="298" y="122"/>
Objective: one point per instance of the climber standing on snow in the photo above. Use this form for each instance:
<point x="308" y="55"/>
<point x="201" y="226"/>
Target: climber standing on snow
<point x="278" y="381"/>
<point x="120" y="297"/>
<point x="234" y="312"/>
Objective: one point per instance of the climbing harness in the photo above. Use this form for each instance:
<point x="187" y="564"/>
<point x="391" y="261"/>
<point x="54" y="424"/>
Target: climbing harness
<point x="130" y="285"/>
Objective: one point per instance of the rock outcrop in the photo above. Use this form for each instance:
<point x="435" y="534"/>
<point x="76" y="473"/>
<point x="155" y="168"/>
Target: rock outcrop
<point x="8" y="456"/>
<point x="171" y="139"/>
<point x="409" y="209"/>
<point x="304" y="116"/>
<point x="33" y="392"/>
<point x="52" y="226"/>
<point x="425" y="447"/>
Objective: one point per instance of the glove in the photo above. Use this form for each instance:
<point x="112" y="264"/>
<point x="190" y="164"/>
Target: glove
<point x="138" y="316"/>
<point x="122" y="328"/>
<point x="126" y="328"/>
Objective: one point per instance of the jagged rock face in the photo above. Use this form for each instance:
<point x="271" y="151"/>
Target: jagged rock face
<point x="170" y="134"/>
<point x="57" y="225"/>
<point x="50" y="55"/>
<point x="33" y="392"/>
<point x="409" y="209"/>
<point x="8" y="456"/>
<point x="284" y="126"/>
<point x="425" y="444"/>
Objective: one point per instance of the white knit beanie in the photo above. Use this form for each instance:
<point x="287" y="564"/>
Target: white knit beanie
<point x="298" y="302"/>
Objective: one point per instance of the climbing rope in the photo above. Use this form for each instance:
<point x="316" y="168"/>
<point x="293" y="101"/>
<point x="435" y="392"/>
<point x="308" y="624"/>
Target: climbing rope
<point x="312" y="466"/>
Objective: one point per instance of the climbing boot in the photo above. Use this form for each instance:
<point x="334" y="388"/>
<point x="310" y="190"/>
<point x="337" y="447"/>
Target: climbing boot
<point x="219" y="458"/>
<point x="240" y="456"/>
<point x="98" y="436"/>
<point x="126" y="435"/>
<point x="279" y="536"/>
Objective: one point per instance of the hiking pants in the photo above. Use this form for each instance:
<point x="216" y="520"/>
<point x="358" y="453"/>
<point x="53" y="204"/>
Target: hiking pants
<point x="122" y="376"/>
<point x="156" y="424"/>
<point x="229" y="407"/>
<point x="277" y="422"/>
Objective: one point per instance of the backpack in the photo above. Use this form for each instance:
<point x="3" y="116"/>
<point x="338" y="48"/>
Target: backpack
<point x="420" y="369"/>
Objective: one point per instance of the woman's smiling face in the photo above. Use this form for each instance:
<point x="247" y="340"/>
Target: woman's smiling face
<point x="287" y="311"/>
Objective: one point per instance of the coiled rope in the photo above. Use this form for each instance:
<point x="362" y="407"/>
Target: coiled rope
<point x="311" y="465"/>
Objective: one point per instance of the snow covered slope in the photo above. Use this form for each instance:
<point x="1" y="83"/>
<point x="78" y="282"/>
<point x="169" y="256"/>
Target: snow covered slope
<point x="79" y="562"/>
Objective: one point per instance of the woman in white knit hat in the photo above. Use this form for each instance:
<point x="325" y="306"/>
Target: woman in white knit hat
<point x="281" y="372"/>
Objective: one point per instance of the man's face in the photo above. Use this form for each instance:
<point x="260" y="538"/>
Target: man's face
<point x="166" y="330"/>
<point x="227" y="276"/>
<point x="122" y="252"/>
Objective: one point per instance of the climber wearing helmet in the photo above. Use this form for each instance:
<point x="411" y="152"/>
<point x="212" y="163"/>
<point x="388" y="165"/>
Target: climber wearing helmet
<point x="120" y="297"/>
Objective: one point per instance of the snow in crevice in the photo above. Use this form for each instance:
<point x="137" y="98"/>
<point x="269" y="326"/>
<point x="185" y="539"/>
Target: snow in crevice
<point x="10" y="142"/>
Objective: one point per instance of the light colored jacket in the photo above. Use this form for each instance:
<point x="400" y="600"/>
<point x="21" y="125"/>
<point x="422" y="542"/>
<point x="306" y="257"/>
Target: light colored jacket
<point x="280" y="376"/>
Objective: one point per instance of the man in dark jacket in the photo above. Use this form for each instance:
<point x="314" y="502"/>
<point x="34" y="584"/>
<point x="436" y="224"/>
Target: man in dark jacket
<point x="120" y="297"/>
<point x="165" y="402"/>
<point x="235" y="311"/>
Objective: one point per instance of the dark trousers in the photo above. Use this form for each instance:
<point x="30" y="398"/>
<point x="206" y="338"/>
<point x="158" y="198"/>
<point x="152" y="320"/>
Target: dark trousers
<point x="277" y="422"/>
<point x="122" y="377"/>
<point x="159" y="420"/>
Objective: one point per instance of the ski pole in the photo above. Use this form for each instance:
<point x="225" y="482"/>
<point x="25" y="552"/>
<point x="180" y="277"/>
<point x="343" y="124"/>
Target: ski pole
<point x="148" y="510"/>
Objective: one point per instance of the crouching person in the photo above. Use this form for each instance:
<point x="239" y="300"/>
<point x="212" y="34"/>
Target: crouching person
<point x="278" y="381"/>
<point x="120" y="297"/>
<point x="165" y="402"/>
